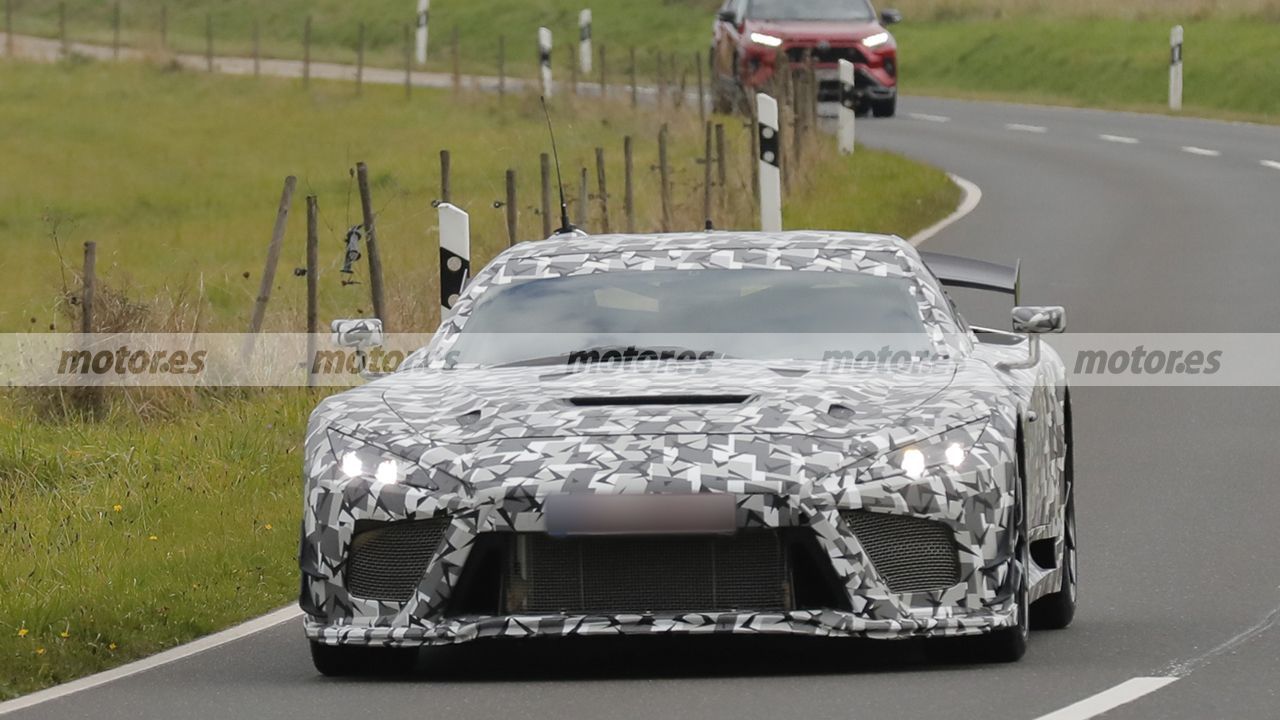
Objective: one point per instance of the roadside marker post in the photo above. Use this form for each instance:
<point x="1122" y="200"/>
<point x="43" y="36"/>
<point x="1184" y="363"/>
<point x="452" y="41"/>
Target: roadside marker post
<point x="770" y="174"/>
<point x="455" y="256"/>
<point x="424" y="14"/>
<point x="584" y="42"/>
<point x="1175" y="68"/>
<point x="544" y="59"/>
<point x="848" y="112"/>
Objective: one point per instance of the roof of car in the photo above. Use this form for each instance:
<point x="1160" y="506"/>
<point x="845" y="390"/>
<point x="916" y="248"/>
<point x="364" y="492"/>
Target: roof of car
<point x="581" y="243"/>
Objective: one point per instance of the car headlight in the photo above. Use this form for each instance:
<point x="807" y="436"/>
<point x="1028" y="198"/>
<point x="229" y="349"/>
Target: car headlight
<point x="358" y="459"/>
<point x="760" y="38"/>
<point x="876" y="40"/>
<point x="949" y="449"/>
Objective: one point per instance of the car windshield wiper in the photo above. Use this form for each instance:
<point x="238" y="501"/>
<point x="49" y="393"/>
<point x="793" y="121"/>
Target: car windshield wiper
<point x="594" y="356"/>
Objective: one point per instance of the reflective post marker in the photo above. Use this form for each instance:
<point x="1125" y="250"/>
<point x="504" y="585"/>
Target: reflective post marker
<point x="455" y="256"/>
<point x="1175" y="69"/>
<point x="848" y="114"/>
<point x="584" y="42"/>
<point x="770" y="175"/>
<point x="424" y="10"/>
<point x="544" y="59"/>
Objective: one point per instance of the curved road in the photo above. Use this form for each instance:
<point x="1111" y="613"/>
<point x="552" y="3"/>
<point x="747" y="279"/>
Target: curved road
<point x="1136" y="224"/>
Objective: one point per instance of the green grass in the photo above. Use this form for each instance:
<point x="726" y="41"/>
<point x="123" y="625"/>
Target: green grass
<point x="177" y="176"/>
<point x="124" y="537"/>
<point x="1232" y="66"/>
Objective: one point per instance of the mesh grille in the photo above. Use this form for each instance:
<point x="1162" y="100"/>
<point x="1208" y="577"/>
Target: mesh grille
<point x="634" y="574"/>
<point x="911" y="554"/>
<point x="387" y="562"/>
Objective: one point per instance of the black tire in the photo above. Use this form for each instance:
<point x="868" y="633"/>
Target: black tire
<point x="1056" y="611"/>
<point x="885" y="108"/>
<point x="344" y="661"/>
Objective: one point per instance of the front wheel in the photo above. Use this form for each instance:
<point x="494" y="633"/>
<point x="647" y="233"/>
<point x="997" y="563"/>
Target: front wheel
<point x="343" y="660"/>
<point x="885" y="108"/>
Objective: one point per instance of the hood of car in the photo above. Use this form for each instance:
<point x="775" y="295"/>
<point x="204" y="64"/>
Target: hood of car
<point x="813" y="32"/>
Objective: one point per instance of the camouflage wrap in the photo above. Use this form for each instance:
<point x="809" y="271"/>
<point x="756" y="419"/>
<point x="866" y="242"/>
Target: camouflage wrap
<point x="486" y="447"/>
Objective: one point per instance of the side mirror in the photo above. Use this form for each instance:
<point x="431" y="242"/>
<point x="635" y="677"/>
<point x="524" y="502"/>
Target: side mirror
<point x="890" y="17"/>
<point x="1034" y="322"/>
<point x="1039" y="320"/>
<point x="728" y="16"/>
<point x="362" y="334"/>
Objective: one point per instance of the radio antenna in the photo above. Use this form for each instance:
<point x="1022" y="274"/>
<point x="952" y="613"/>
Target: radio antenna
<point x="565" y="225"/>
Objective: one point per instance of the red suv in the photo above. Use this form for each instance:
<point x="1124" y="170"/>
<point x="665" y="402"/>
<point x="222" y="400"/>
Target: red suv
<point x="749" y="35"/>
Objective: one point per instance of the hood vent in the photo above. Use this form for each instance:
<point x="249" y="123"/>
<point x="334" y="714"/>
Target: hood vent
<point x="658" y="400"/>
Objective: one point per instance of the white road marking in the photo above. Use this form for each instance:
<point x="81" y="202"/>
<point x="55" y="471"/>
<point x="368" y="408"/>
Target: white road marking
<point x="1271" y="164"/>
<point x="969" y="203"/>
<point x="1206" y="152"/>
<point x="1119" y="139"/>
<point x="1110" y="699"/>
<point x="929" y="118"/>
<point x="207" y="642"/>
<point x="1026" y="128"/>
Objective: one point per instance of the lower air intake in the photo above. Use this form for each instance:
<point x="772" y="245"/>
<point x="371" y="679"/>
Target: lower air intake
<point x="911" y="554"/>
<point x="647" y="574"/>
<point x="387" y="560"/>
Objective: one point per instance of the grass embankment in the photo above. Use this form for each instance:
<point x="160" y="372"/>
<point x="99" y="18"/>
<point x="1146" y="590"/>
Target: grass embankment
<point x="177" y="176"/>
<point x="1099" y="53"/>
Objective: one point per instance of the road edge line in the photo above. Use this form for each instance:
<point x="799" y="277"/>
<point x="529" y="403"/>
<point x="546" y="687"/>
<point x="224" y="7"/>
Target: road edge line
<point x="208" y="642"/>
<point x="968" y="203"/>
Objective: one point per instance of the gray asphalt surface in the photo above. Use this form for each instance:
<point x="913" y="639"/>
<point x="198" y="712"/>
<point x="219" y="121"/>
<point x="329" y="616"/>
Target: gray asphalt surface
<point x="1178" y="489"/>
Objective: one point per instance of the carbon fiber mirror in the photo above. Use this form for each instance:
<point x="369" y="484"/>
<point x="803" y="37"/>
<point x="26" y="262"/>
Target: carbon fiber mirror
<point x="1034" y="320"/>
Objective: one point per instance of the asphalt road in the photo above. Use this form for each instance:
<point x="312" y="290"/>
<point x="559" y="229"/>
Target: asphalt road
<point x="1136" y="225"/>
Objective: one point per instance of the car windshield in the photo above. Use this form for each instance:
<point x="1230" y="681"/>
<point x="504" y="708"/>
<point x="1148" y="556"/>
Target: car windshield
<point x="694" y="314"/>
<point x="855" y="10"/>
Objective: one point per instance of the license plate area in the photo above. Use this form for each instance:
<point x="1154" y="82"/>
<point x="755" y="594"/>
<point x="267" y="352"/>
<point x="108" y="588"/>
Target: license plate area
<point x="604" y="515"/>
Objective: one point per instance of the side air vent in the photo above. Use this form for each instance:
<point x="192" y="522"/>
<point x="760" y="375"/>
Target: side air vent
<point x="658" y="400"/>
<point x="911" y="554"/>
<point x="386" y="560"/>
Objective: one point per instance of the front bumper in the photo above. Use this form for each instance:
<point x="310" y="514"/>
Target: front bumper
<point x="975" y="505"/>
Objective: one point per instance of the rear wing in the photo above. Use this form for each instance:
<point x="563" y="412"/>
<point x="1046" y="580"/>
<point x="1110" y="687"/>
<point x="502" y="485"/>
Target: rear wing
<point x="960" y="272"/>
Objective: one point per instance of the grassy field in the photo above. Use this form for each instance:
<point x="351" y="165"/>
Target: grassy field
<point x="1102" y="53"/>
<point x="130" y="534"/>
<point x="182" y="204"/>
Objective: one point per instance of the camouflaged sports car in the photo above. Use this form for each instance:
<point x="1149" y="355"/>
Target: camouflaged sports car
<point x="698" y="433"/>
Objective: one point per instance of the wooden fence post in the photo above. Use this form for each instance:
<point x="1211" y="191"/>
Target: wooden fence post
<point x="208" y="42"/>
<point x="313" y="282"/>
<point x="603" y="190"/>
<point x="306" y="53"/>
<point x="273" y="259"/>
<point x="257" y="48"/>
<point x="628" y="188"/>
<point x="502" y="66"/>
<point x="664" y="178"/>
<point x="90" y="286"/>
<point x="360" y="61"/>
<point x="446" y="183"/>
<point x="115" y="31"/>
<point x="722" y="172"/>
<point x="604" y="74"/>
<point x="455" y="53"/>
<point x="635" y="88"/>
<point x="545" y="169"/>
<point x="702" y="89"/>
<point x="408" y="62"/>
<point x="512" y="209"/>
<point x="371" y="244"/>
<point x="583" y="217"/>
<point x="706" y="176"/>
